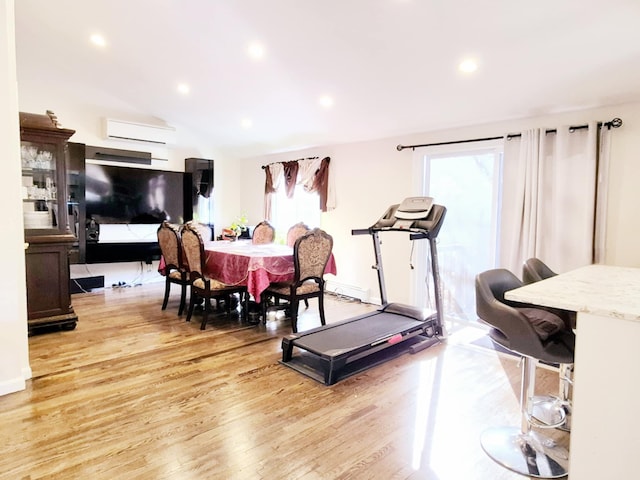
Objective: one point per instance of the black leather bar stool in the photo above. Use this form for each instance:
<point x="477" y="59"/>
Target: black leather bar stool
<point x="534" y="270"/>
<point x="537" y="335"/>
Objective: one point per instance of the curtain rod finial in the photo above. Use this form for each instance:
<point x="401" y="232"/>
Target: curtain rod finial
<point x="400" y="148"/>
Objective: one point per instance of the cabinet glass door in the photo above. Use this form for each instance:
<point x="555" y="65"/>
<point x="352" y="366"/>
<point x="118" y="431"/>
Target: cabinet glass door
<point x="39" y="185"/>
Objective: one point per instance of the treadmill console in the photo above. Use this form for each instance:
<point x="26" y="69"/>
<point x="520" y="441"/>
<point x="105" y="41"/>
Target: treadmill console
<point x="418" y="215"/>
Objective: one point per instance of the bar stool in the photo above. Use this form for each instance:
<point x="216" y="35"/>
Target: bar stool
<point x="536" y="335"/>
<point x="534" y="270"/>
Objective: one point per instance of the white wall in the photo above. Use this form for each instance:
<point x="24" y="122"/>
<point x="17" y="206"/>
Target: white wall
<point x="370" y="176"/>
<point x="14" y="348"/>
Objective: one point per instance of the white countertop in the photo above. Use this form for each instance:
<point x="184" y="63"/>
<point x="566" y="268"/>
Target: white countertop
<point x="597" y="289"/>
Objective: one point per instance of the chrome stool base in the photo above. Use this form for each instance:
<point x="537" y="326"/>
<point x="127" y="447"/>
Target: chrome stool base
<point x="547" y="412"/>
<point x="529" y="454"/>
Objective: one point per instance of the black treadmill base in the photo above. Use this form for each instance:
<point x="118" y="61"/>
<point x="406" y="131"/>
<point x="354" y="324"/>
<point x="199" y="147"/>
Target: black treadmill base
<point x="315" y="367"/>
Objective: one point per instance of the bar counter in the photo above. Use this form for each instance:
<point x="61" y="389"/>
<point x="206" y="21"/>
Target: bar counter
<point x="605" y="427"/>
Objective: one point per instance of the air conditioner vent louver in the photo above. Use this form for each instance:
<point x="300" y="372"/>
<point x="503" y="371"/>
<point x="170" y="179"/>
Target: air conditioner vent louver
<point x="137" y="132"/>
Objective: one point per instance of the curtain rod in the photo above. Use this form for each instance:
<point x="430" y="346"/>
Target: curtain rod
<point x="296" y="160"/>
<point x="615" y="123"/>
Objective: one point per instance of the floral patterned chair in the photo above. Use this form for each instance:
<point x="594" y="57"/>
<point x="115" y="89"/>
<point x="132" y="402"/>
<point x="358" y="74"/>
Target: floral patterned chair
<point x="311" y="252"/>
<point x="263" y="233"/>
<point x="295" y="232"/>
<point x="201" y="285"/>
<point x="175" y="270"/>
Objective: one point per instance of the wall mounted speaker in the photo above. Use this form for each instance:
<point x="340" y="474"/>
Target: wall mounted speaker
<point x="198" y="185"/>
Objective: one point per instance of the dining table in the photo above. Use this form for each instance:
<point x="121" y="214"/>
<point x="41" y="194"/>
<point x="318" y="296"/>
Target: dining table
<point x="241" y="262"/>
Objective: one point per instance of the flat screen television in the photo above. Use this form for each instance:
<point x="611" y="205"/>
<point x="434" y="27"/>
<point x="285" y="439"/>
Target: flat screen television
<point x="116" y="194"/>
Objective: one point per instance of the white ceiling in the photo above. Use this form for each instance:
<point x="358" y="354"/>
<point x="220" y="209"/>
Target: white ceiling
<point x="390" y="65"/>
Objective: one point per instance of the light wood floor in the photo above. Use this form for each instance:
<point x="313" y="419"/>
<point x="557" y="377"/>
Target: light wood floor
<point x="137" y="393"/>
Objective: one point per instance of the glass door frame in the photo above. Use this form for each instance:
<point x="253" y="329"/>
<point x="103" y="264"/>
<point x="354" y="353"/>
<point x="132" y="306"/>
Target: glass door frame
<point x="421" y="179"/>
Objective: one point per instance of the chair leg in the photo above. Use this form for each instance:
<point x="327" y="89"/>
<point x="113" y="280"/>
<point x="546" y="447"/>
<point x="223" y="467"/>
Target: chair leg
<point x="205" y="313"/>
<point x="192" y="303"/>
<point x="244" y="296"/>
<point x="538" y="411"/>
<point x="263" y="304"/>
<point x="565" y="385"/>
<point x="306" y="303"/>
<point x="183" y="297"/>
<point x="321" y="308"/>
<point x="167" y="287"/>
<point x="294" y="315"/>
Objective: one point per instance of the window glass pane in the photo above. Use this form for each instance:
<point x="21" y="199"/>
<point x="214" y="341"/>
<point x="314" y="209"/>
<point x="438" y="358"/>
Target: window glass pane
<point x="467" y="184"/>
<point x="303" y="207"/>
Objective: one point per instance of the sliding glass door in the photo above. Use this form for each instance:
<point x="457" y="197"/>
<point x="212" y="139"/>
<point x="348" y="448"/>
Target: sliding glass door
<point x="467" y="183"/>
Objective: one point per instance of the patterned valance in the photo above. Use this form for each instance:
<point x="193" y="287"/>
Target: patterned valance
<point x="312" y="173"/>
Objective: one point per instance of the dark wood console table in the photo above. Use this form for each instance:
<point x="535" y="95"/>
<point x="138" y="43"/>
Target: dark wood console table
<point x="122" y="252"/>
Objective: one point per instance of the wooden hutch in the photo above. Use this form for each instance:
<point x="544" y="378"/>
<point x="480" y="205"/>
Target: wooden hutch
<point x="46" y="228"/>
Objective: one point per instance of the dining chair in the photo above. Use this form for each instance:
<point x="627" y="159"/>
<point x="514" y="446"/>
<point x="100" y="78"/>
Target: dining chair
<point x="202" y="286"/>
<point x="175" y="270"/>
<point x="311" y="252"/>
<point x="263" y="233"/>
<point x="295" y="232"/>
<point x="204" y="231"/>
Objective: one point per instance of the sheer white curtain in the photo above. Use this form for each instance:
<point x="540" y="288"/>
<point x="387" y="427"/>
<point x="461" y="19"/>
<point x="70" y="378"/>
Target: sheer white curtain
<point x="549" y="198"/>
<point x="602" y="203"/>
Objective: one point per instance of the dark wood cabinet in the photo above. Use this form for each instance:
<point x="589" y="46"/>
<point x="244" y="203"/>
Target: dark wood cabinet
<point x="46" y="226"/>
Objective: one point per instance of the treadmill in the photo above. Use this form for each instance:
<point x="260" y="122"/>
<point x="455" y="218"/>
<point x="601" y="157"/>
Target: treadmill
<point x="336" y="351"/>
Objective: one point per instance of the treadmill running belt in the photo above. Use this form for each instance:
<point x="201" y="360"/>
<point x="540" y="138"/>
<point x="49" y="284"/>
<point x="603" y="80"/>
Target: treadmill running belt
<point x="341" y="349"/>
<point x="372" y="329"/>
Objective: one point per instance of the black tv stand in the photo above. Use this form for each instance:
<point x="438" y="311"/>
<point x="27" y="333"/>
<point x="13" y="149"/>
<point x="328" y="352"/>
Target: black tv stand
<point x="122" y="252"/>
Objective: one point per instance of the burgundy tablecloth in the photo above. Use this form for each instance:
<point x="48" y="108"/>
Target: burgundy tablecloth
<point x="256" y="266"/>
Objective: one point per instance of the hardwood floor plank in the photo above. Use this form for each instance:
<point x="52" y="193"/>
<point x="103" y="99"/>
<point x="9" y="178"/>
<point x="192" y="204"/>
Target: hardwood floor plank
<point x="136" y="392"/>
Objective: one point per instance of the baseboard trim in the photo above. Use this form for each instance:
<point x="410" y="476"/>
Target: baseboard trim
<point x="13" y="385"/>
<point x="345" y="290"/>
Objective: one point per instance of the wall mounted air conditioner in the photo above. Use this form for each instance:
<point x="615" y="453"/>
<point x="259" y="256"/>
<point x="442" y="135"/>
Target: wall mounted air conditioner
<point x="138" y="132"/>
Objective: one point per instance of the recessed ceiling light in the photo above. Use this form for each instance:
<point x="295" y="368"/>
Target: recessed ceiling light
<point x="468" y="65"/>
<point x="98" y="40"/>
<point x="326" y="101"/>
<point x="183" y="88"/>
<point x="256" y="51"/>
<point x="246" y="123"/>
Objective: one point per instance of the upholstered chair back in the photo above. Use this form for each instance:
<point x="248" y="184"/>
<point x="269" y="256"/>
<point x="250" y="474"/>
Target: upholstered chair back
<point x="193" y="247"/>
<point x="264" y="233"/>
<point x="311" y="254"/>
<point x="169" y="242"/>
<point x="295" y="232"/>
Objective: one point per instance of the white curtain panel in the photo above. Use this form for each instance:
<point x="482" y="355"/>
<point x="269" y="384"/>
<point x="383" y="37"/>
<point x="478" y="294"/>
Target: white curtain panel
<point x="306" y="171"/>
<point x="519" y="199"/>
<point x="549" y="198"/>
<point x="602" y="195"/>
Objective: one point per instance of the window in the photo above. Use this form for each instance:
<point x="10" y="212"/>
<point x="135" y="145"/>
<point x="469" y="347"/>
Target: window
<point x="467" y="183"/>
<point x="285" y="212"/>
